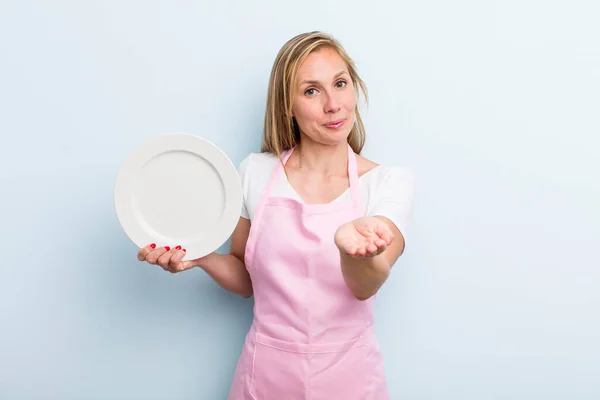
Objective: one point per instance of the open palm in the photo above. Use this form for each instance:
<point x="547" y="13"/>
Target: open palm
<point x="363" y="237"/>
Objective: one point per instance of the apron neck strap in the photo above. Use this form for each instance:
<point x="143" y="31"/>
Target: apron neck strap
<point x="352" y="174"/>
<point x="353" y="177"/>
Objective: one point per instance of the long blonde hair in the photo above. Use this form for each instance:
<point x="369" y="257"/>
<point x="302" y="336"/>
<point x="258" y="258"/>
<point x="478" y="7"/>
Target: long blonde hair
<point x="280" y="131"/>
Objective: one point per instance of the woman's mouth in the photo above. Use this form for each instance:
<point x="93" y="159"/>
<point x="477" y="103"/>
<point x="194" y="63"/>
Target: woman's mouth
<point x="335" y="124"/>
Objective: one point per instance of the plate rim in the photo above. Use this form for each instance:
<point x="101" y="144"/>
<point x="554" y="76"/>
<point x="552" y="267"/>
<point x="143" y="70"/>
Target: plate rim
<point x="182" y="141"/>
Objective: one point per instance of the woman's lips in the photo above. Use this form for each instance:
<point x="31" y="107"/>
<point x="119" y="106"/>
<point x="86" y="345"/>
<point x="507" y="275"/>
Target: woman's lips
<point x="335" y="124"/>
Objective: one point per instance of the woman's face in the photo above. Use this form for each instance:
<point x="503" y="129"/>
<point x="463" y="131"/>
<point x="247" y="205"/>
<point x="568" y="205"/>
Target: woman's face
<point x="325" y="100"/>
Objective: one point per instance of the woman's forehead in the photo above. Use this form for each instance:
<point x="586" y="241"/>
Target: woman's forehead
<point x="322" y="64"/>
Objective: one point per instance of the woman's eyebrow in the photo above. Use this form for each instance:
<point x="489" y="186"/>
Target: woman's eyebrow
<point x="313" y="82"/>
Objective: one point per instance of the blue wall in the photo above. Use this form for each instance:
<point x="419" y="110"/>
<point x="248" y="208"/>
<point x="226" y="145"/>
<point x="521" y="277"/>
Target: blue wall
<point x="494" y="105"/>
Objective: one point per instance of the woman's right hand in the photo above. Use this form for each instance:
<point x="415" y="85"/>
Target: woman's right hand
<point x="168" y="258"/>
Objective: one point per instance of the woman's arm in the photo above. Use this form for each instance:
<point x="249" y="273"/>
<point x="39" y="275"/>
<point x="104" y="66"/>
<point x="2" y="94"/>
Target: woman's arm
<point x="369" y="247"/>
<point x="229" y="270"/>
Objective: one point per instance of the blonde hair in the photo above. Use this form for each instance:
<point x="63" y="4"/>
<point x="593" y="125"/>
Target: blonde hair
<point x="280" y="131"/>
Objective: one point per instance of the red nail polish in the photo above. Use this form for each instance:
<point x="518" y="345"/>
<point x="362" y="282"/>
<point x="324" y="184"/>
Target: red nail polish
<point x="153" y="246"/>
<point x="178" y="247"/>
<point x="185" y="250"/>
<point x="168" y="248"/>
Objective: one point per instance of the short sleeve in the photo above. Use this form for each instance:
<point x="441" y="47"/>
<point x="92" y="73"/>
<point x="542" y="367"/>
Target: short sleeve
<point x="394" y="198"/>
<point x="242" y="170"/>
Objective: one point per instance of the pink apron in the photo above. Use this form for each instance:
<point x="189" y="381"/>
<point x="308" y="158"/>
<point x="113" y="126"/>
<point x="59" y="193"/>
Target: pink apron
<point x="311" y="339"/>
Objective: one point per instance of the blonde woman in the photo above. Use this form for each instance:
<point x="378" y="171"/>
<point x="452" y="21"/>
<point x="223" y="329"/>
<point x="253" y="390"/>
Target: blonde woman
<point x="319" y="232"/>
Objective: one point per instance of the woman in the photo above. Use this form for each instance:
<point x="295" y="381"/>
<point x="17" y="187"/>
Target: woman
<point x="319" y="232"/>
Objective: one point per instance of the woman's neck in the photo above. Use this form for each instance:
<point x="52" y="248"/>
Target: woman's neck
<point x="322" y="159"/>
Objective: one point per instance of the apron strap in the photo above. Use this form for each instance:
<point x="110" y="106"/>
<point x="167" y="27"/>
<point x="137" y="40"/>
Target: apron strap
<point x="265" y="196"/>
<point x="352" y="176"/>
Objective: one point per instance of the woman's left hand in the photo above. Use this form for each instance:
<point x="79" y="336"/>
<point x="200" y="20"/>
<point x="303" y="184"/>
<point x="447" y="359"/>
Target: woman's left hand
<point x="363" y="237"/>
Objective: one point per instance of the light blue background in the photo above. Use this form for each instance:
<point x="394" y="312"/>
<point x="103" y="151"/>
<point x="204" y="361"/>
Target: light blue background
<point x="494" y="105"/>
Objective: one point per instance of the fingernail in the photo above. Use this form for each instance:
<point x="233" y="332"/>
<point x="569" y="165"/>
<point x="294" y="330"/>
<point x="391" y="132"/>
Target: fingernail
<point x="153" y="245"/>
<point x="178" y="247"/>
<point x="168" y="248"/>
<point x="185" y="250"/>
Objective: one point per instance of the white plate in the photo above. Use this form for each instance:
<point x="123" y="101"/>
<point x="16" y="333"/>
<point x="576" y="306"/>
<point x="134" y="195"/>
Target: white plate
<point x="178" y="189"/>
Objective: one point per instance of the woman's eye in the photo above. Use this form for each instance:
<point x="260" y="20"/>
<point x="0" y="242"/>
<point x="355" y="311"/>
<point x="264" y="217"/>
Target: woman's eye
<point x="341" y="84"/>
<point x="309" y="92"/>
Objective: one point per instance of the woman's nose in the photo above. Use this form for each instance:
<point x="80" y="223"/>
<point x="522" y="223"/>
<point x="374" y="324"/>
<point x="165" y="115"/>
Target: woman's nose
<point x="332" y="104"/>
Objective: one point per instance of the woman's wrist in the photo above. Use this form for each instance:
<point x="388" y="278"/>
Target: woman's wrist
<point x="205" y="261"/>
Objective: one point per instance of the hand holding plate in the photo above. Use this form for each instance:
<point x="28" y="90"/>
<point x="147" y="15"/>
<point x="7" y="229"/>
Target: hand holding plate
<point x="168" y="258"/>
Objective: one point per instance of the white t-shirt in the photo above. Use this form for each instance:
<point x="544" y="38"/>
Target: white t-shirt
<point x="386" y="191"/>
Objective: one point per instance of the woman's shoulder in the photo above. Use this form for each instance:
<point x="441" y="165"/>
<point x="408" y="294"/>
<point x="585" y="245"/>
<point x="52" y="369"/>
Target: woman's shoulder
<point x="257" y="163"/>
<point x="383" y="173"/>
<point x="260" y="159"/>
